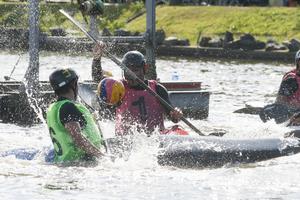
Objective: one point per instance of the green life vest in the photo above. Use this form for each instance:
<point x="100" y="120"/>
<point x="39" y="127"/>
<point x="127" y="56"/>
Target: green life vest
<point x="64" y="146"/>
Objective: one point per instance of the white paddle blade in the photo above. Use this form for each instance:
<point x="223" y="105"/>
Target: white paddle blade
<point x="88" y="95"/>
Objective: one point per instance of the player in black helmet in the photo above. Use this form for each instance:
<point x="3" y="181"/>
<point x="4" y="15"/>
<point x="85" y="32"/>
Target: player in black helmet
<point x="139" y="107"/>
<point x="74" y="133"/>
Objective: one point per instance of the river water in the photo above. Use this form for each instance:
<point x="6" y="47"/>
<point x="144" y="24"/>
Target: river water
<point x="232" y="84"/>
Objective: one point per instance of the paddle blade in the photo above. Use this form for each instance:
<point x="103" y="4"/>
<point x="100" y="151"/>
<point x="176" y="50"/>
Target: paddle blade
<point x="218" y="134"/>
<point x="88" y="95"/>
<point x="251" y="110"/>
<point x="294" y="133"/>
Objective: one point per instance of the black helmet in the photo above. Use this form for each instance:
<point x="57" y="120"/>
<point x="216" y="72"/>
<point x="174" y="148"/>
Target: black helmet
<point x="134" y="59"/>
<point x="61" y="77"/>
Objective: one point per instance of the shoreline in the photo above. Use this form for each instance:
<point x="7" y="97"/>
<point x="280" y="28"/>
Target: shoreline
<point x="80" y="44"/>
<point x="220" y="53"/>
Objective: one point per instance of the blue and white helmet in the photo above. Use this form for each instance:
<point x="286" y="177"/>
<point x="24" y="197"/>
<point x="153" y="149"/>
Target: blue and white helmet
<point x="297" y="57"/>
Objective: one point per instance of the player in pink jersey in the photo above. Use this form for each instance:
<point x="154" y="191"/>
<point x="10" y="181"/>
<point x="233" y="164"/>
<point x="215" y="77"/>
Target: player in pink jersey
<point x="139" y="110"/>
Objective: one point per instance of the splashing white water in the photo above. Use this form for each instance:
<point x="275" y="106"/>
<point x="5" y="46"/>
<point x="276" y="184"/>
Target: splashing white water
<point x="139" y="176"/>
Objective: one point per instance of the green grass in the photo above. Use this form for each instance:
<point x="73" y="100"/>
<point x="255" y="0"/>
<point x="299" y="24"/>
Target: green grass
<point x="278" y="23"/>
<point x="16" y="15"/>
<point x="13" y="14"/>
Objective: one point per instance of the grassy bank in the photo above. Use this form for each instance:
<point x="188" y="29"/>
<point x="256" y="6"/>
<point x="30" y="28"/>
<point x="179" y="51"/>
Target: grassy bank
<point x="16" y="15"/>
<point x="279" y="23"/>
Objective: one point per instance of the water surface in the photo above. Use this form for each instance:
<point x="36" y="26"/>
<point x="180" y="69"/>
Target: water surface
<point x="232" y="84"/>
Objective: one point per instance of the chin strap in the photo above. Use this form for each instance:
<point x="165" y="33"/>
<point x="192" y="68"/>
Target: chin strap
<point x="75" y="90"/>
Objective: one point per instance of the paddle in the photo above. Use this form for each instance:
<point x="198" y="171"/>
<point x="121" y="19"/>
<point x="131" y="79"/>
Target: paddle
<point x="87" y="99"/>
<point x="131" y="74"/>
<point x="294" y="133"/>
<point x="279" y="112"/>
<point x="248" y="109"/>
<point x="90" y="97"/>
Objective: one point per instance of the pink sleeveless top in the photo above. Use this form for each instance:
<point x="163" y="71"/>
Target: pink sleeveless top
<point x="294" y="100"/>
<point x="139" y="111"/>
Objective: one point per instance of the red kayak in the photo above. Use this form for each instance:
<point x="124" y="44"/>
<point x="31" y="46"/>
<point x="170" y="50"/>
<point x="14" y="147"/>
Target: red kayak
<point x="174" y="130"/>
